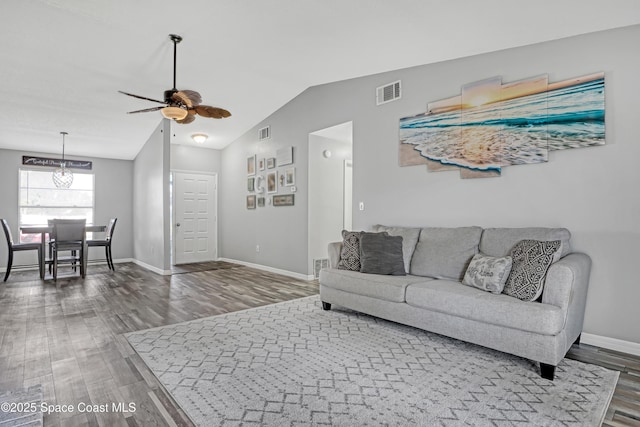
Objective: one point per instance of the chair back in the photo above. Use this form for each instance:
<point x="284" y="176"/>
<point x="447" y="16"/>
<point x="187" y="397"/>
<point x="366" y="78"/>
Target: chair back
<point x="7" y="232"/>
<point x="69" y="230"/>
<point x="110" y="228"/>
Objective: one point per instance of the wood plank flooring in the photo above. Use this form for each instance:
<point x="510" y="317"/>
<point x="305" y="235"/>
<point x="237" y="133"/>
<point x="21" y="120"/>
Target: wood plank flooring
<point x="70" y="340"/>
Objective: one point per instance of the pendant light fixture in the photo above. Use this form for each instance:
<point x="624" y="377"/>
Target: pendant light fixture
<point x="63" y="177"/>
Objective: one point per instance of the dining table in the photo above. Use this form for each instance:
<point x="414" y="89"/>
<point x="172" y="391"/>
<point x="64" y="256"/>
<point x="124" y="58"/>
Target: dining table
<point x="43" y="230"/>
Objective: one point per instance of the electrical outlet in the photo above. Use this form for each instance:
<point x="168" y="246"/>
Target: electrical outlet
<point x="361" y="206"/>
<point x="257" y="248"/>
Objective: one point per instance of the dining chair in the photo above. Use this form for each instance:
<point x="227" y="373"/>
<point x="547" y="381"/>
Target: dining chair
<point x="106" y="242"/>
<point x="16" y="247"/>
<point x="69" y="235"/>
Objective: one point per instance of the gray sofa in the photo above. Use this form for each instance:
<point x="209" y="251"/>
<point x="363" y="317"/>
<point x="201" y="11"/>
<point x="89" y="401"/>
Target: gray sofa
<point x="432" y="297"/>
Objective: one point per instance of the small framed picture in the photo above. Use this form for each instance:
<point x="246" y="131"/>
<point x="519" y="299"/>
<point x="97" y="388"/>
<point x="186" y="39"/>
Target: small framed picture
<point x="290" y="177"/>
<point x="261" y="202"/>
<point x="251" y="165"/>
<point x="261" y="164"/>
<point x="272" y="182"/>
<point x="251" y="184"/>
<point x="284" y="200"/>
<point x="251" y="202"/>
<point x="271" y="162"/>
<point x="284" y="156"/>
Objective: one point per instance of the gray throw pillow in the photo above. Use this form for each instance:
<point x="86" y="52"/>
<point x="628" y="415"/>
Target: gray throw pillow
<point x="488" y="273"/>
<point x="350" y="252"/>
<point x="531" y="260"/>
<point x="381" y="254"/>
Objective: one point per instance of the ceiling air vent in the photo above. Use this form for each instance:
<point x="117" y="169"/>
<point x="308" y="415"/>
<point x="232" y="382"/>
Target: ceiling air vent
<point x="264" y="133"/>
<point x="388" y="93"/>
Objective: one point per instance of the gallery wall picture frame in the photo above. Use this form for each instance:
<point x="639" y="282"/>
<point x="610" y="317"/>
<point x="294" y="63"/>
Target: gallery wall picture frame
<point x="251" y="202"/>
<point x="251" y="165"/>
<point x="261" y="202"/>
<point x="272" y="182"/>
<point x="284" y="156"/>
<point x="284" y="200"/>
<point x="290" y="177"/>
<point x="271" y="162"/>
<point x="261" y="164"/>
<point x="251" y="184"/>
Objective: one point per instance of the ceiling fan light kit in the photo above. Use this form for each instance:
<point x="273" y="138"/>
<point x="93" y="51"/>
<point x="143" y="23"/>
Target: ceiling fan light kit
<point x="175" y="113"/>
<point x="182" y="106"/>
<point x="62" y="177"/>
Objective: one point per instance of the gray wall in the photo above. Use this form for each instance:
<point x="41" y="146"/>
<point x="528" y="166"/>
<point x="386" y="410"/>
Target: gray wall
<point x="151" y="225"/>
<point x="195" y="159"/>
<point x="591" y="191"/>
<point x="113" y="198"/>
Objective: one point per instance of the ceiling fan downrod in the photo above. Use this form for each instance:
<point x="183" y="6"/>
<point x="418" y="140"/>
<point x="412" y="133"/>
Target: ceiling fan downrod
<point x="169" y="93"/>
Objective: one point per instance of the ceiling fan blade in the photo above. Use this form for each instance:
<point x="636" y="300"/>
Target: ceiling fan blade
<point x="190" y="98"/>
<point x="188" y="119"/>
<point x="142" y="97"/>
<point x="212" y="112"/>
<point x="146" y="110"/>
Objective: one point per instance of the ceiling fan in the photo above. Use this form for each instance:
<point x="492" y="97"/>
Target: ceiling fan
<point x="181" y="105"/>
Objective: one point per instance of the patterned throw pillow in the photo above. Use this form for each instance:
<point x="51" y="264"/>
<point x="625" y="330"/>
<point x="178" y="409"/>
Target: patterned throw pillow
<point x="488" y="273"/>
<point x="531" y="260"/>
<point x="350" y="253"/>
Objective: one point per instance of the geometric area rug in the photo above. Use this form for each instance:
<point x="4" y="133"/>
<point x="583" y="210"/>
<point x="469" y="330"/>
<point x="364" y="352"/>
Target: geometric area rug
<point x="293" y="364"/>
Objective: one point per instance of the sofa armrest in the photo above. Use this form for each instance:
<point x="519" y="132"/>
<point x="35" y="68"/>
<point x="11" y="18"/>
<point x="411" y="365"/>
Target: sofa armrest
<point x="334" y="253"/>
<point x="566" y="287"/>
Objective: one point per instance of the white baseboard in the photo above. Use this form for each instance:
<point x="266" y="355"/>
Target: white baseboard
<point x="151" y="267"/>
<point x="288" y="273"/>
<point x="611" y="343"/>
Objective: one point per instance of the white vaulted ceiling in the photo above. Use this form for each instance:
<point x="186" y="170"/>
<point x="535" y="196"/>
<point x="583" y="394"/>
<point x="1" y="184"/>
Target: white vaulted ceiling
<point x="63" y="61"/>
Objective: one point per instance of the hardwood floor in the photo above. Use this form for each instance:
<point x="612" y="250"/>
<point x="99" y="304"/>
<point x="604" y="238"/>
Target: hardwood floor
<point x="71" y="340"/>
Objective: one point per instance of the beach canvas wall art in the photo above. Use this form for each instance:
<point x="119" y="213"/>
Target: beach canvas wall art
<point x="490" y="125"/>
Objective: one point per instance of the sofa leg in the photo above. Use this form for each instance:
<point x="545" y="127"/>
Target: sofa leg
<point x="326" y="306"/>
<point x="577" y="341"/>
<point x="547" y="371"/>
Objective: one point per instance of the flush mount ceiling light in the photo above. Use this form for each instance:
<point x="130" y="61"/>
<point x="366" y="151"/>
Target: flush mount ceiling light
<point x="199" y="137"/>
<point x="62" y="177"/>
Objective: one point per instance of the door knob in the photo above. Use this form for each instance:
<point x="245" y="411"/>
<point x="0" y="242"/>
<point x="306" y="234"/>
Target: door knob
<point x="178" y="224"/>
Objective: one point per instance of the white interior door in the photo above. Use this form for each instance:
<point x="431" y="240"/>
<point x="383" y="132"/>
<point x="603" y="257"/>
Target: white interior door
<point x="195" y="222"/>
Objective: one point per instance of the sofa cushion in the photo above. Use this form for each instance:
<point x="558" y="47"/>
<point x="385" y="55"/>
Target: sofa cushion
<point x="531" y="260"/>
<point x="350" y="251"/>
<point x="444" y="253"/>
<point x="499" y="241"/>
<point x="446" y="296"/>
<point x="409" y="239"/>
<point x="388" y="288"/>
<point x="381" y="254"/>
<point x="488" y="273"/>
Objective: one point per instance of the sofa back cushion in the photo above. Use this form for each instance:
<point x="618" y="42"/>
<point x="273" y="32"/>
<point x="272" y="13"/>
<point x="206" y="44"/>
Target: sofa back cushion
<point x="409" y="239"/>
<point x="498" y="242"/>
<point x="445" y="253"/>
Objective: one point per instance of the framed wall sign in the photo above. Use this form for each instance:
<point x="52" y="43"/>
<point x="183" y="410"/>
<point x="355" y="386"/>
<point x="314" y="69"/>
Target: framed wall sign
<point x="55" y="163"/>
<point x="283" y="200"/>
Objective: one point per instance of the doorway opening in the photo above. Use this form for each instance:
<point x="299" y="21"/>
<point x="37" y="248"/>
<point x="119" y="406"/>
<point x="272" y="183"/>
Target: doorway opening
<point x="194" y="201"/>
<point x="330" y="190"/>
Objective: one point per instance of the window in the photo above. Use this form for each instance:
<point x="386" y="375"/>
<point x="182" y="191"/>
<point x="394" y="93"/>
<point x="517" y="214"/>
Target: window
<point x="41" y="200"/>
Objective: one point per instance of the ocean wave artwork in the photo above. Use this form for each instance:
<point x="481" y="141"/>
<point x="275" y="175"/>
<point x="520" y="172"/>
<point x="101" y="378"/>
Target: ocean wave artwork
<point x="491" y="125"/>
